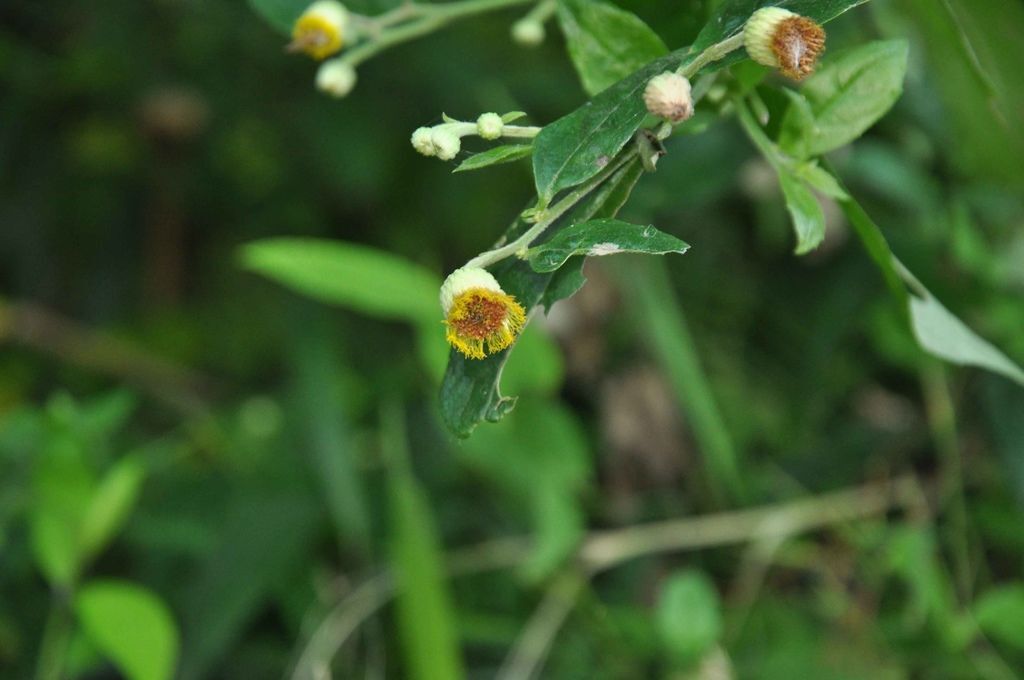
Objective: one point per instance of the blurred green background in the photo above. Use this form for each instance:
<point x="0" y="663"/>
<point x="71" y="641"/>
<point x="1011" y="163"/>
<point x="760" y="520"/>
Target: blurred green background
<point x="204" y="475"/>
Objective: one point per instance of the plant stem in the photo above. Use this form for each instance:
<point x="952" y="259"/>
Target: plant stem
<point x="711" y="54"/>
<point x="56" y="637"/>
<point x="414" y="19"/>
<point x="551" y="215"/>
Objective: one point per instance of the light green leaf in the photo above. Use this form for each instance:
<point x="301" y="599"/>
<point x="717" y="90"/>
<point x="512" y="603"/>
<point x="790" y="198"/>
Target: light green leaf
<point x="846" y="96"/>
<point x="110" y="505"/>
<point x="1000" y="613"/>
<point x="820" y="180"/>
<point x="130" y="625"/>
<point x="601" y="237"/>
<point x="688" y="616"/>
<point x="354" y="276"/>
<point x="805" y="211"/>
<point x="423" y="605"/>
<point x="606" y="43"/>
<point x="506" y="153"/>
<point x="947" y="337"/>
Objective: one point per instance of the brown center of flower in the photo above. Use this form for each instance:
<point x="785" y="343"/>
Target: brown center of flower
<point x="481" y="317"/>
<point x="797" y="44"/>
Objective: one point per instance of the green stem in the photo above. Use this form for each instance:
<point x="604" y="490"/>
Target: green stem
<point x="711" y="54"/>
<point x="56" y="637"/>
<point x="389" y="30"/>
<point x="552" y="214"/>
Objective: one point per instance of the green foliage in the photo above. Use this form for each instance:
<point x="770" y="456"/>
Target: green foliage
<point x="999" y="613"/>
<point x="506" y="153"/>
<point x="606" y="44"/>
<point x="598" y="238"/>
<point x="845" y="97"/>
<point x="132" y="626"/>
<point x="689" y="617"/>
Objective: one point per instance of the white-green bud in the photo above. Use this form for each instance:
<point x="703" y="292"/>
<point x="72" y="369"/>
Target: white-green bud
<point x="528" y="32"/>
<point x="336" y="78"/>
<point x="668" y="96"/>
<point x="423" y="142"/>
<point x="490" y="126"/>
<point x="446" y="143"/>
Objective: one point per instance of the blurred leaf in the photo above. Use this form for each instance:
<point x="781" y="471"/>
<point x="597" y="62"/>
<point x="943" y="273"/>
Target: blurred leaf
<point x="423" y="605"/>
<point x="805" y="211"/>
<point x="606" y="43"/>
<point x="539" y="458"/>
<point x="947" y="337"/>
<point x="506" y="153"/>
<point x="1000" y="613"/>
<point x="265" y="532"/>
<point x="62" y="488"/>
<point x="601" y="237"/>
<point x="110" y="505"/>
<point x="281" y="14"/>
<point x="354" y="276"/>
<point x="846" y="96"/>
<point x="132" y="626"/>
<point x="689" y="616"/>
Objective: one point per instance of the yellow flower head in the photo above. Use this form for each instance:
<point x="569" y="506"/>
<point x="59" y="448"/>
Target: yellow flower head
<point x="320" y="31"/>
<point x="781" y="39"/>
<point x="480" y="317"/>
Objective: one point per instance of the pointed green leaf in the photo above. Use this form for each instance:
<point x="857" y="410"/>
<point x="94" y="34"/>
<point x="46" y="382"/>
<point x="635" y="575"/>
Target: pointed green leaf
<point x="606" y="43"/>
<point x="601" y="237"/>
<point x="805" y="211"/>
<point x="130" y="625"/>
<point x="507" y="153"/>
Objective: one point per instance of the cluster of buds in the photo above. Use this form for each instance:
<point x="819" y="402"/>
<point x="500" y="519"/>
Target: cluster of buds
<point x="480" y="318"/>
<point x="780" y="39"/>
<point x="445" y="140"/>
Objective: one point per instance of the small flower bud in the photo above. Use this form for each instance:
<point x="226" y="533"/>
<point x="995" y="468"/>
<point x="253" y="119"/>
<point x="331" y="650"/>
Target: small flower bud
<point x="446" y="143"/>
<point x="528" y="32"/>
<point x="480" y="317"/>
<point x="336" y="78"/>
<point x="490" y="126"/>
<point x="668" y="96"/>
<point x="422" y="141"/>
<point x="320" y="30"/>
<point x="781" y="39"/>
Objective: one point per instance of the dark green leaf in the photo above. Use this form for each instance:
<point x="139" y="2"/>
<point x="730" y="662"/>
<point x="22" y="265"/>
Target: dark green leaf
<point x="847" y="95"/>
<point x="354" y="276"/>
<point x="576" y="147"/>
<point x="280" y="14"/>
<point x="601" y="237"/>
<point x="131" y="626"/>
<point x="506" y="153"/>
<point x="805" y="211"/>
<point x="606" y="43"/>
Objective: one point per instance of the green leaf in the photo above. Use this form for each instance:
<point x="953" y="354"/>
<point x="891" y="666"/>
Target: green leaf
<point x="423" y="605"/>
<point x="506" y="153"/>
<point x="281" y="14"/>
<point x="131" y="626"/>
<point x="606" y="43"/>
<point x="688" y="616"/>
<point x="820" y="180"/>
<point x="110" y="505"/>
<point x="805" y="211"/>
<point x="947" y="337"/>
<point x="731" y="15"/>
<point x="1000" y="613"/>
<point x="601" y="237"/>
<point x="354" y="276"/>
<point x="846" y="96"/>
<point x="576" y="147"/>
<point x="470" y="391"/>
